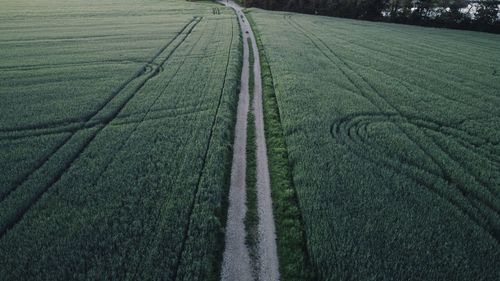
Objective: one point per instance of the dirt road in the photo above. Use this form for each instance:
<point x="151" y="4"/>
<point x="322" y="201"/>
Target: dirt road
<point x="236" y="261"/>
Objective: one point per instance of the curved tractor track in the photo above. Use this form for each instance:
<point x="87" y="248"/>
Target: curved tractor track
<point x="156" y="68"/>
<point x="236" y="260"/>
<point x="475" y="198"/>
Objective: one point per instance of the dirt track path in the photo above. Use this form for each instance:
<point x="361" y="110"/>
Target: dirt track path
<point x="236" y="260"/>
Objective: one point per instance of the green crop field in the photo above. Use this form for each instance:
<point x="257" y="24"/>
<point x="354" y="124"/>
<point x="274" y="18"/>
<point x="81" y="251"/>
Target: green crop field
<point x="116" y="140"/>
<point x="393" y="138"/>
<point x="116" y="122"/>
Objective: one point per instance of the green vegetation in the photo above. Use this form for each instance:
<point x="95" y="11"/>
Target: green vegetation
<point x="116" y="125"/>
<point x="393" y="137"/>
<point x="292" y="252"/>
<point x="251" y="216"/>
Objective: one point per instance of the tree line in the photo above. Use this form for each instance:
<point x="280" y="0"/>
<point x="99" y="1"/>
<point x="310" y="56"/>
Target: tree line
<point x="461" y="14"/>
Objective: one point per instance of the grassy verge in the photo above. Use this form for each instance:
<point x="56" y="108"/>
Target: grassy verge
<point x="292" y="248"/>
<point x="251" y="217"/>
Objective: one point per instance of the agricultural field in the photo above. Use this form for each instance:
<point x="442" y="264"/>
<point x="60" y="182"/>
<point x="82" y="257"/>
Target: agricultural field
<point x="393" y="141"/>
<point x="116" y="125"/>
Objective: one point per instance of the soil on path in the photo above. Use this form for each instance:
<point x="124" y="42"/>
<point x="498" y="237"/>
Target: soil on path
<point x="236" y="260"/>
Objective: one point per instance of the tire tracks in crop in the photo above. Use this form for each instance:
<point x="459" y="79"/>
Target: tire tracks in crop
<point x="144" y="114"/>
<point x="40" y="163"/>
<point x="411" y="57"/>
<point x="360" y="121"/>
<point x="159" y="214"/>
<point x="288" y="17"/>
<point x="407" y="84"/>
<point x="69" y="64"/>
<point x="365" y="94"/>
<point x="387" y="109"/>
<point x="351" y="132"/>
<point x="68" y="125"/>
<point x="204" y="161"/>
<point x="20" y="214"/>
<point x="444" y="172"/>
<point x="88" y="123"/>
<point x="74" y="129"/>
<point x="429" y="45"/>
<point x="137" y="124"/>
<point x="84" y="119"/>
<point x="443" y="169"/>
<point x="471" y="91"/>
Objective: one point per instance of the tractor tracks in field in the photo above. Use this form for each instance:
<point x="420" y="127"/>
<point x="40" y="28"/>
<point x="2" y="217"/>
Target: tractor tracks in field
<point x="159" y="216"/>
<point x="352" y="131"/>
<point x="78" y="126"/>
<point x="149" y="68"/>
<point x="405" y="84"/>
<point x="237" y="263"/>
<point x="204" y="161"/>
<point x="348" y="131"/>
<point x="70" y="64"/>
<point x="137" y="124"/>
<point x="414" y="62"/>
<point x="89" y="123"/>
<point x="144" y="114"/>
<point x="106" y="120"/>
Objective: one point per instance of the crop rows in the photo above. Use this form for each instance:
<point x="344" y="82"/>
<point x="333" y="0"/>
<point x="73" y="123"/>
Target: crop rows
<point x="133" y="186"/>
<point x="345" y="126"/>
<point x="392" y="133"/>
<point x="87" y="123"/>
<point x="8" y="220"/>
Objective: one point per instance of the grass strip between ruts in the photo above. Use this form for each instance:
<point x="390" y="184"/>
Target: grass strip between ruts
<point x="290" y="235"/>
